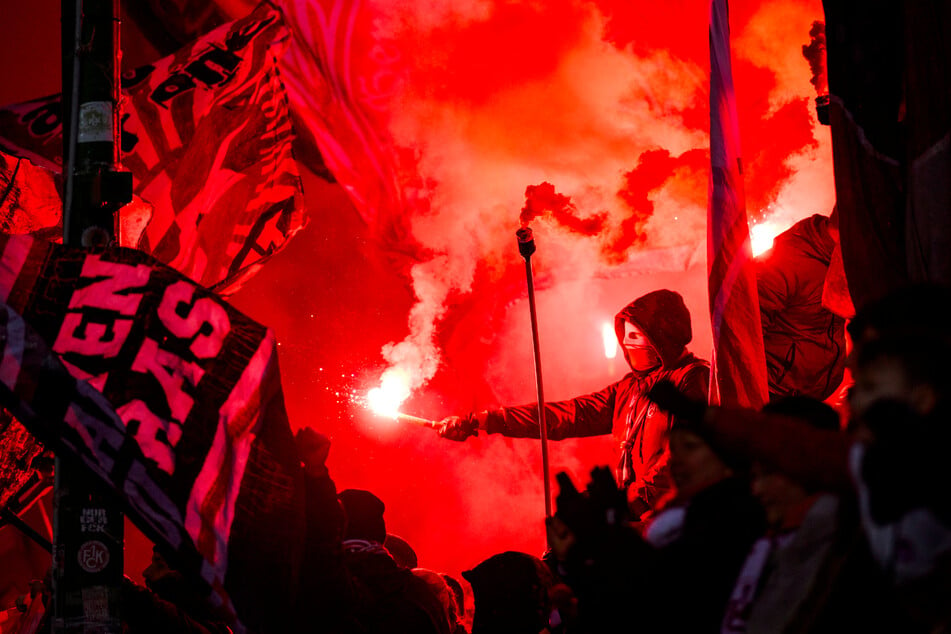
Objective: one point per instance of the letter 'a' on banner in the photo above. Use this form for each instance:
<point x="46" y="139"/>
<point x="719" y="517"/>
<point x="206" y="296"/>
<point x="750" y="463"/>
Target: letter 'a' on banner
<point x="738" y="375"/>
<point x="172" y="398"/>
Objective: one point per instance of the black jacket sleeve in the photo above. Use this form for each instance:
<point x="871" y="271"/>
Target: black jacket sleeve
<point x="588" y="415"/>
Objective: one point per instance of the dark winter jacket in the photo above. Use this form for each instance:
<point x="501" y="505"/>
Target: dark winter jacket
<point x="623" y="406"/>
<point x="698" y="568"/>
<point x="390" y="599"/>
<point x="145" y="612"/>
<point x="820" y="578"/>
<point x="805" y="342"/>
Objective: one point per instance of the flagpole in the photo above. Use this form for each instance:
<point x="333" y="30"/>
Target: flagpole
<point x="526" y="247"/>
<point x="88" y="526"/>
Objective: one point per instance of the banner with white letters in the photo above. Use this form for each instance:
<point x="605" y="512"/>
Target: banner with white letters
<point x="170" y="396"/>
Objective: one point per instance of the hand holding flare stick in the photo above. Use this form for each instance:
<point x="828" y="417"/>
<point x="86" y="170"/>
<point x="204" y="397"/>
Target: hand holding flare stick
<point x="416" y="420"/>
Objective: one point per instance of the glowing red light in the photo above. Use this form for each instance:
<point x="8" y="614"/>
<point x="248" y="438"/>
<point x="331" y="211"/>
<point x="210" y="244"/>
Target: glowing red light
<point x="387" y="399"/>
<point x="610" y="340"/>
<point x="762" y="235"/>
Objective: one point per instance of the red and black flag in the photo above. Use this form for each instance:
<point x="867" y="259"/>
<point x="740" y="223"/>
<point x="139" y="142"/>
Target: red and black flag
<point x="207" y="135"/>
<point x="171" y="397"/>
<point x="738" y="374"/>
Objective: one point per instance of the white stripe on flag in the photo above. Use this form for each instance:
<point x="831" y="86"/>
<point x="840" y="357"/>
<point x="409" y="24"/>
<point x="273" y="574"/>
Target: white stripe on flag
<point x="244" y="401"/>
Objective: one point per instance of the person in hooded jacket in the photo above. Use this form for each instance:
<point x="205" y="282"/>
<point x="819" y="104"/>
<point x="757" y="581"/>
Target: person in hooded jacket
<point x="653" y="331"/>
<point x="803" y="339"/>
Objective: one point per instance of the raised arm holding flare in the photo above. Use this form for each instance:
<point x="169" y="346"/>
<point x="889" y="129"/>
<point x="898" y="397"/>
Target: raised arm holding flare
<point x="653" y="331"/>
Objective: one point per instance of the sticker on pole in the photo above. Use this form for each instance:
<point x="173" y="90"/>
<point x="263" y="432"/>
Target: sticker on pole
<point x="93" y="556"/>
<point x="95" y="122"/>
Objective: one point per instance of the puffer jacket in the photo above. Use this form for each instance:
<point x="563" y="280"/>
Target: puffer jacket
<point x="623" y="406"/>
<point x="804" y="341"/>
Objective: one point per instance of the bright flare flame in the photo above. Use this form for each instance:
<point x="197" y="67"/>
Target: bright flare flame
<point x="762" y="235"/>
<point x="610" y="340"/>
<point x="387" y="399"/>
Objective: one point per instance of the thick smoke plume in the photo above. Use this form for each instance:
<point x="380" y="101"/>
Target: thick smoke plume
<point x="601" y="107"/>
<point x="542" y="199"/>
<point x="815" y="54"/>
<point x="496" y="94"/>
<point x="604" y="99"/>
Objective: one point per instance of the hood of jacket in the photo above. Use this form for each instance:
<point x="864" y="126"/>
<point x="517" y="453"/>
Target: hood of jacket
<point x="664" y="319"/>
<point x="811" y="237"/>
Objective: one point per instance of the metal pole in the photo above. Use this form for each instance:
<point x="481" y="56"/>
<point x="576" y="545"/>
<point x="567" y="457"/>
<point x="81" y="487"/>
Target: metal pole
<point x="88" y="526"/>
<point x="526" y="247"/>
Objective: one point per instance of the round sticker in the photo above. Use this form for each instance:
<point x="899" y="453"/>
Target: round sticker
<point x="93" y="556"/>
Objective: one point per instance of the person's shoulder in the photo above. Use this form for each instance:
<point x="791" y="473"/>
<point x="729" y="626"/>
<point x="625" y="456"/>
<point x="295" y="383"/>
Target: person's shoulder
<point x="691" y="367"/>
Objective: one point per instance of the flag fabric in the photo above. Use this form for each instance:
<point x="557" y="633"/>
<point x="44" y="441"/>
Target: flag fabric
<point x="171" y="397"/>
<point x="30" y="198"/>
<point x="738" y="374"/>
<point x="207" y="135"/>
<point x="343" y="78"/>
<point x="890" y="117"/>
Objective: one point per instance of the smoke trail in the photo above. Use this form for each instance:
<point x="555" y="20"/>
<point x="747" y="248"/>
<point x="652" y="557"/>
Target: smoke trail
<point x="815" y="54"/>
<point x="601" y="108"/>
<point x="511" y="94"/>
<point x="543" y="198"/>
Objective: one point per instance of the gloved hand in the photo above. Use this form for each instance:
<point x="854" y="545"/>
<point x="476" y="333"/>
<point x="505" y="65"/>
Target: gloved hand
<point x="313" y="449"/>
<point x="458" y="427"/>
<point x="668" y="397"/>
<point x="605" y="496"/>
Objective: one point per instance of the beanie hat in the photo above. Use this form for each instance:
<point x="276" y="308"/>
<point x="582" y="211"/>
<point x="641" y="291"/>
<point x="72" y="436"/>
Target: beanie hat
<point x="364" y="515"/>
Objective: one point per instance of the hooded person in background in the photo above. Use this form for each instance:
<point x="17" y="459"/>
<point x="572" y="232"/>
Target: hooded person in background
<point x="804" y="340"/>
<point x="653" y="331"/>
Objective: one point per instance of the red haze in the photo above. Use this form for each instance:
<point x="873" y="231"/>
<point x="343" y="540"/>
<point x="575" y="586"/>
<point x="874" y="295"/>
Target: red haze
<point x="607" y="101"/>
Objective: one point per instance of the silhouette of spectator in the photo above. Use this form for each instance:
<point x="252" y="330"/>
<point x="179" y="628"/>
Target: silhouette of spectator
<point x="437" y="584"/>
<point x="401" y="551"/>
<point x="702" y="537"/>
<point x="598" y="554"/>
<point x="170" y="603"/>
<point x="693" y="548"/>
<point x="326" y="591"/>
<point x="812" y="571"/>
<point x="891" y="462"/>
<point x="511" y="594"/>
<point x="922" y="310"/>
<point x="463" y="622"/>
<point x="389" y="598"/>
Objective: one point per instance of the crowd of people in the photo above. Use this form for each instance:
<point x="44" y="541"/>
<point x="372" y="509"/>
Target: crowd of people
<point x="795" y="518"/>
<point x="800" y="517"/>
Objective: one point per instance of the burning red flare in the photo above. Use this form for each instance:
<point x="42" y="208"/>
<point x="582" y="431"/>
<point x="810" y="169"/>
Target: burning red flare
<point x="762" y="235"/>
<point x="393" y="391"/>
<point x="609" y="338"/>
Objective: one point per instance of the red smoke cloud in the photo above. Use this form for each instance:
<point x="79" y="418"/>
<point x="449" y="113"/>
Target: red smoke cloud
<point x="543" y="199"/>
<point x="607" y="100"/>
